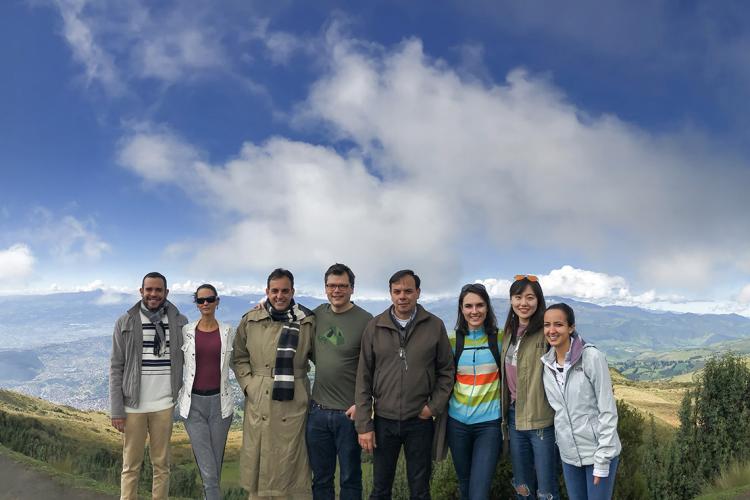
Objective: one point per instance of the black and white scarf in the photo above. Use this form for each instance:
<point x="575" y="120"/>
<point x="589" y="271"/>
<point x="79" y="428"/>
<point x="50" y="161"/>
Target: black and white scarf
<point x="160" y="339"/>
<point x="283" y="373"/>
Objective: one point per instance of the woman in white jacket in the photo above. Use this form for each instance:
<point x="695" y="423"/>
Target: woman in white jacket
<point x="205" y="400"/>
<point x="579" y="389"/>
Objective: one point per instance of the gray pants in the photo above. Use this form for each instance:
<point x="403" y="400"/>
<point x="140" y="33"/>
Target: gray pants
<point x="208" y="436"/>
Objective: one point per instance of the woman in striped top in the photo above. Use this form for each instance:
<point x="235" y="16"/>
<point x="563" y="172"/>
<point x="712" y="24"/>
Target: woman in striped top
<point x="474" y="435"/>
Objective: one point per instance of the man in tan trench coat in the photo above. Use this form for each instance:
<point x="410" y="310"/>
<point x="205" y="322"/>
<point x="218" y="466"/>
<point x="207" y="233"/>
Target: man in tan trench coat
<point x="271" y="351"/>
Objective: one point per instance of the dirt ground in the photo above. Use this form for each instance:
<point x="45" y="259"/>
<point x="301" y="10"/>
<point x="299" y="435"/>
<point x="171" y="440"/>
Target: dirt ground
<point x="19" y="482"/>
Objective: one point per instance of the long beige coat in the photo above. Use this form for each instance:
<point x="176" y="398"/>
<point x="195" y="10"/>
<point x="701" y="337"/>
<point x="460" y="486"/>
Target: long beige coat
<point x="273" y="459"/>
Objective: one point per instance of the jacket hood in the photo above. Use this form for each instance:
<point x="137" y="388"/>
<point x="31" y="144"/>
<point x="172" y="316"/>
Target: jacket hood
<point x="577" y="344"/>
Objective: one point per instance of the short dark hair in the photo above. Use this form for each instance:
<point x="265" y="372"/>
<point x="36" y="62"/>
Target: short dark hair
<point x="205" y="285"/>
<point x="154" y="274"/>
<point x="399" y="275"/>
<point x="339" y="269"/>
<point x="570" y="316"/>
<point x="280" y="273"/>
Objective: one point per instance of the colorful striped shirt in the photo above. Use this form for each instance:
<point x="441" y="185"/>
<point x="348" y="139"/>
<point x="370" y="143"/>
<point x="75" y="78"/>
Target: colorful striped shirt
<point x="476" y="393"/>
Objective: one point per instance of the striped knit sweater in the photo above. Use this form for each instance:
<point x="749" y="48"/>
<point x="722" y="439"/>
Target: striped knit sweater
<point x="476" y="393"/>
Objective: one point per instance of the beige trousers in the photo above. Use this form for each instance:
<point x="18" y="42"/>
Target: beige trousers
<point x="158" y="426"/>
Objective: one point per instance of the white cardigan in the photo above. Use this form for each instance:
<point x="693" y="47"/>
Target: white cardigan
<point x="188" y="372"/>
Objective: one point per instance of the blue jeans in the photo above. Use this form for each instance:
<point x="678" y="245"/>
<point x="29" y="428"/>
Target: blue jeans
<point x="579" y="482"/>
<point x="534" y="457"/>
<point x="330" y="433"/>
<point x="474" y="449"/>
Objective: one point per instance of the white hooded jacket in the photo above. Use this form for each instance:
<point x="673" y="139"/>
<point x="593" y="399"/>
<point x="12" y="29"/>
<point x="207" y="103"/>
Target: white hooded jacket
<point x="585" y="409"/>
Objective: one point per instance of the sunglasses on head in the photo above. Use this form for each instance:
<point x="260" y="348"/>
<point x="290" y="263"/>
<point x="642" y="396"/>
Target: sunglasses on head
<point x="529" y="277"/>
<point x="472" y="285"/>
<point x="203" y="300"/>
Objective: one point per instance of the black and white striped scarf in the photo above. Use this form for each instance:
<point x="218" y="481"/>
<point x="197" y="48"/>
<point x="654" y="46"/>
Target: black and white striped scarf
<point x="155" y="317"/>
<point x="283" y="373"/>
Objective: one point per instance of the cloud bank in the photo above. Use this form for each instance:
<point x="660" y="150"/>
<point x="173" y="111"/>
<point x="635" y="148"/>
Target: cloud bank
<point x="435" y="163"/>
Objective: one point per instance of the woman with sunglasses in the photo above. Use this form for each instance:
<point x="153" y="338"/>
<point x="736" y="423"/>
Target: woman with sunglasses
<point x="578" y="386"/>
<point x="205" y="400"/>
<point x="473" y="428"/>
<point x="527" y="416"/>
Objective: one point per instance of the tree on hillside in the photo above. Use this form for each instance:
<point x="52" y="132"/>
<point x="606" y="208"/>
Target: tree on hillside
<point x="630" y="483"/>
<point x="723" y="413"/>
<point x="655" y="459"/>
<point x="714" y="426"/>
<point x="685" y="460"/>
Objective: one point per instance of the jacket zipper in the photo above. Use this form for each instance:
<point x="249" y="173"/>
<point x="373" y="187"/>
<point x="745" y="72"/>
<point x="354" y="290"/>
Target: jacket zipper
<point x="563" y="390"/>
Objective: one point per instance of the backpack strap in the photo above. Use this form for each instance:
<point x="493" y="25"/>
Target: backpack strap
<point x="459" y="349"/>
<point x="492" y="341"/>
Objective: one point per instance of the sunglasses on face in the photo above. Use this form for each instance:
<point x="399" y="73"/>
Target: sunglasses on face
<point x="203" y="300"/>
<point x="529" y="277"/>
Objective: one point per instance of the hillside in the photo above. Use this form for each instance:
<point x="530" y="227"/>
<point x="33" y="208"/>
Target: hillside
<point x="22" y="478"/>
<point x="83" y="444"/>
<point x="69" y="364"/>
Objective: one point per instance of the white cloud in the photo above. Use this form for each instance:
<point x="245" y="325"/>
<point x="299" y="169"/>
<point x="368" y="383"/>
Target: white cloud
<point x="156" y="155"/>
<point x="744" y="296"/>
<point x="314" y="206"/>
<point x="571" y="282"/>
<point x="67" y="238"/>
<point x="16" y="262"/>
<point x="111" y="298"/>
<point x="279" y="45"/>
<point x="517" y="157"/>
<point x="189" y="287"/>
<point x="120" y="42"/>
<point x="438" y="160"/>
<point x="582" y="284"/>
<point x="689" y="268"/>
<point x="179" y="49"/>
<point x="77" y="30"/>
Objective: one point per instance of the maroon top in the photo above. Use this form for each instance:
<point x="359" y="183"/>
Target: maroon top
<point x="207" y="360"/>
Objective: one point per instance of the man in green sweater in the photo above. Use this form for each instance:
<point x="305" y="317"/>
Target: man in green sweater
<point x="330" y="424"/>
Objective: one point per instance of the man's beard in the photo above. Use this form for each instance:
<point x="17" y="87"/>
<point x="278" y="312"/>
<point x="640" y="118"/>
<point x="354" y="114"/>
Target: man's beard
<point x="143" y="301"/>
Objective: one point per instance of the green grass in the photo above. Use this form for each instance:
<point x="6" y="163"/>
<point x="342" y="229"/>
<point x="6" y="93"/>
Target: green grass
<point x="733" y="481"/>
<point x="230" y="474"/>
<point x="65" y="478"/>
<point x="732" y="494"/>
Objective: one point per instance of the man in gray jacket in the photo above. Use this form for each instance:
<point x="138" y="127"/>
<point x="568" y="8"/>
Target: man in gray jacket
<point x="404" y="378"/>
<point x="145" y="377"/>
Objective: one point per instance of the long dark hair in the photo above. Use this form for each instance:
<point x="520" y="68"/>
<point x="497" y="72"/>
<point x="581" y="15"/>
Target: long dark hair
<point x="536" y="321"/>
<point x="490" y="322"/>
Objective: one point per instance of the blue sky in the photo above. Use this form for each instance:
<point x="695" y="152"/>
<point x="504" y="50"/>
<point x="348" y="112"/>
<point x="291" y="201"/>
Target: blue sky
<point x="601" y="145"/>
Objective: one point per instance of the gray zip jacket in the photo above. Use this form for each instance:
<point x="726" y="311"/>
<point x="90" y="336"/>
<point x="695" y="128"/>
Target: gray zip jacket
<point x="127" y="355"/>
<point x="585" y="409"/>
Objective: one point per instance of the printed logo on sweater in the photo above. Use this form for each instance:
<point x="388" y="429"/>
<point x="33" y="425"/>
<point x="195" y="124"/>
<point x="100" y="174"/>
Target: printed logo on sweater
<point x="333" y="336"/>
